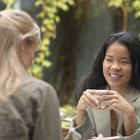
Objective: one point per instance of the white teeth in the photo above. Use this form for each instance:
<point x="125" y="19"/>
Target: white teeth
<point x="115" y="75"/>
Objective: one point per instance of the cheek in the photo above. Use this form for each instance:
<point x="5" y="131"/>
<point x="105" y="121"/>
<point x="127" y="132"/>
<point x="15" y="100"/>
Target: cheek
<point x="105" y="68"/>
<point x="128" y="73"/>
<point x="32" y="55"/>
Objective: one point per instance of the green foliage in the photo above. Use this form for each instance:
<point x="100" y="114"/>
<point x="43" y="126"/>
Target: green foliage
<point x="136" y="7"/>
<point x="10" y="4"/>
<point x="131" y="5"/>
<point x="115" y="3"/>
<point x="49" y="16"/>
<point x="67" y="113"/>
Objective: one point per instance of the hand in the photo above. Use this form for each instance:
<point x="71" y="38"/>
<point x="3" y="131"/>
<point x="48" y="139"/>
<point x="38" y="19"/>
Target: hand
<point x="110" y="99"/>
<point x="88" y="99"/>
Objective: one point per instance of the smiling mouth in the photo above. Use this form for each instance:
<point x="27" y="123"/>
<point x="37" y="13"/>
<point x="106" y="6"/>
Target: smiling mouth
<point x="115" y="76"/>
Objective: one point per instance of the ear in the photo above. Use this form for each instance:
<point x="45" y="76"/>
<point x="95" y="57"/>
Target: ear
<point x="23" y="44"/>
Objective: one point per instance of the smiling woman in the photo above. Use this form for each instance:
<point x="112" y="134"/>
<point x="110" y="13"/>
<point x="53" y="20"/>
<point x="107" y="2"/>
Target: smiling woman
<point x="117" y="67"/>
<point x="109" y="98"/>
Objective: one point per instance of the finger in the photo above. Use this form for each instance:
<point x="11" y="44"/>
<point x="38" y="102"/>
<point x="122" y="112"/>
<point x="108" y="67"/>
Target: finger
<point x="90" y="99"/>
<point x="92" y="91"/>
<point x="107" y="92"/>
<point x="109" y="104"/>
<point x="105" y="97"/>
<point x="114" y="107"/>
<point x="82" y="104"/>
<point x="90" y="103"/>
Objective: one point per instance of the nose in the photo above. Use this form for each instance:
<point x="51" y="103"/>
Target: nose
<point x="115" y="66"/>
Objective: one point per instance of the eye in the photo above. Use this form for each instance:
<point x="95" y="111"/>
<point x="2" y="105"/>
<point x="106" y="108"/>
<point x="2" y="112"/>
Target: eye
<point x="108" y="59"/>
<point x="125" y="62"/>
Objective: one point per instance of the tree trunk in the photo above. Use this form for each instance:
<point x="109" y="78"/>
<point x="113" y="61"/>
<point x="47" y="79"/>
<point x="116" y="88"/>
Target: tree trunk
<point x="70" y="25"/>
<point x="125" y="17"/>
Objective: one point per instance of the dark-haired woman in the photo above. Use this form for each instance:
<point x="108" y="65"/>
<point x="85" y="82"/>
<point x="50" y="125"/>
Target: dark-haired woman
<point x="108" y="101"/>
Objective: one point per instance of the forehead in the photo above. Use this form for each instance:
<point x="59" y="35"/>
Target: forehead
<point x="118" y="49"/>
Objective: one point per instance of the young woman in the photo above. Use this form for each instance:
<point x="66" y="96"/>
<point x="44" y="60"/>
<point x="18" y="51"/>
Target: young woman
<point x="29" y="108"/>
<point x="108" y="101"/>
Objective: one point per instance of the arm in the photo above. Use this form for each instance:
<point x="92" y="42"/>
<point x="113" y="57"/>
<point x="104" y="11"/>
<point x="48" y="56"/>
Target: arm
<point x="80" y="116"/>
<point x="130" y="117"/>
<point x="83" y="126"/>
<point x="136" y="133"/>
<point x="88" y="99"/>
<point x="86" y="130"/>
<point x="48" y="125"/>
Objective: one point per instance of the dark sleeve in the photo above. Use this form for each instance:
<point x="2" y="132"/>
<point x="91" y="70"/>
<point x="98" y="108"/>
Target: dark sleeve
<point x="48" y="125"/>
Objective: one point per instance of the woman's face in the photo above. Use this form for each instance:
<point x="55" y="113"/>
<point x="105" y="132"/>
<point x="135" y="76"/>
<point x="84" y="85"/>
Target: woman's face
<point x="117" y="66"/>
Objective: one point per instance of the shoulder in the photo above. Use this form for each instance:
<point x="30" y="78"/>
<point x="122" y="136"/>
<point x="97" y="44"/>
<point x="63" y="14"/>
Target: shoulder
<point x="36" y="90"/>
<point x="35" y="84"/>
<point x="135" y="92"/>
<point x="34" y="81"/>
<point x="132" y="94"/>
<point x="133" y="97"/>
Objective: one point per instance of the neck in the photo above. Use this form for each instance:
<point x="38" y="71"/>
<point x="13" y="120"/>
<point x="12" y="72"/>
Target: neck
<point x="121" y="91"/>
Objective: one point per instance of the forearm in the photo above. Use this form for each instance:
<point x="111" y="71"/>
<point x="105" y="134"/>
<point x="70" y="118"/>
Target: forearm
<point x="80" y="116"/>
<point x="130" y="121"/>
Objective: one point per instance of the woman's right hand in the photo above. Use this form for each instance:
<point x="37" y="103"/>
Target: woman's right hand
<point x="88" y="99"/>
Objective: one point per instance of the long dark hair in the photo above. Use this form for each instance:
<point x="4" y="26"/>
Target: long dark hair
<point x="96" y="80"/>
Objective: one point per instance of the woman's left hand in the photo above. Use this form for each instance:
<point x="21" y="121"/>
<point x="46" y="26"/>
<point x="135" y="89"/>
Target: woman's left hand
<point x="112" y="100"/>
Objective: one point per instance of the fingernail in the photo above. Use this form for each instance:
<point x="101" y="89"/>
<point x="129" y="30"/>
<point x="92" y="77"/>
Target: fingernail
<point x="103" y="107"/>
<point x="97" y="102"/>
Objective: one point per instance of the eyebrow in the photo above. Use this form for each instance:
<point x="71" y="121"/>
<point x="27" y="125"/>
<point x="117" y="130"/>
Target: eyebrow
<point x="108" y="55"/>
<point x="124" y="57"/>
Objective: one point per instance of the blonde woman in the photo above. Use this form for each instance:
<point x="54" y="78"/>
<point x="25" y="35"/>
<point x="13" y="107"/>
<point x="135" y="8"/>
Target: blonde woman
<point x="28" y="107"/>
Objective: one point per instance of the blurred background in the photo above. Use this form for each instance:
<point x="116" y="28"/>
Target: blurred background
<point x="72" y="32"/>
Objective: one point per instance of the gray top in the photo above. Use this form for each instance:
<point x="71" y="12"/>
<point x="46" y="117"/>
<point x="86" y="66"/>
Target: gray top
<point x="99" y="122"/>
<point x="31" y="114"/>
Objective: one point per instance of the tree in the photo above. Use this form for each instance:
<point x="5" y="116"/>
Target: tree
<point x="49" y="17"/>
<point x="126" y="7"/>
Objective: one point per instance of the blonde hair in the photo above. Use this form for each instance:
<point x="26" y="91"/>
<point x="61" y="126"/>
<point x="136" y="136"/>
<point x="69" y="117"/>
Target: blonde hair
<point x="15" y="26"/>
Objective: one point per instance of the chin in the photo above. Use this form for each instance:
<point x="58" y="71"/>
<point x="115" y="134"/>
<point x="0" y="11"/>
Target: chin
<point x="114" y="84"/>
